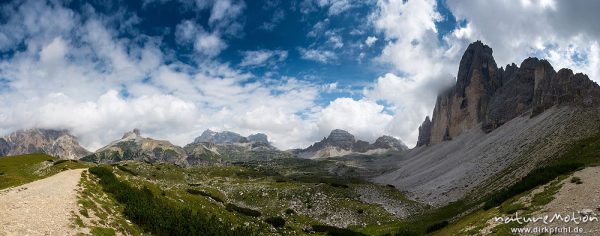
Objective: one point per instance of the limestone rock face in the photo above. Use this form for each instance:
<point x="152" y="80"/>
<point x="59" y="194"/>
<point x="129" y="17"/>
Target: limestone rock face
<point x="463" y="106"/>
<point x="132" y="146"/>
<point x="4" y="147"/>
<point x="489" y="97"/>
<point x="58" y="143"/>
<point x="227" y="146"/>
<point x="424" y="133"/>
<point x="210" y="136"/>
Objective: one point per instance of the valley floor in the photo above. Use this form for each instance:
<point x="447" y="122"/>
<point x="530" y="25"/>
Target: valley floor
<point x="43" y="207"/>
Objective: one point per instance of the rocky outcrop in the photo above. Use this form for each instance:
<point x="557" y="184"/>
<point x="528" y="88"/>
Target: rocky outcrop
<point x="463" y="106"/>
<point x="424" y="133"/>
<point x="389" y="142"/>
<point x="58" y="143"/>
<point x="341" y="143"/>
<point x="227" y="146"/>
<point x="4" y="147"/>
<point x="487" y="97"/>
<point x="258" y="138"/>
<point x="132" y="146"/>
<point x="209" y="136"/>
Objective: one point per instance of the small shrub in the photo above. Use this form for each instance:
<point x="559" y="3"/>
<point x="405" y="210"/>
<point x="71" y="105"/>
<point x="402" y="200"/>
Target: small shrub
<point x="206" y="194"/>
<point x="576" y="180"/>
<point x="242" y="210"/>
<point x="437" y="226"/>
<point x="126" y="170"/>
<point x="59" y="162"/>
<point x="338" y="185"/>
<point x="99" y="231"/>
<point x="335" y="231"/>
<point x="406" y="232"/>
<point x="512" y="208"/>
<point x="289" y="211"/>
<point x="84" y="212"/>
<point x="276" y="221"/>
<point x="360" y="211"/>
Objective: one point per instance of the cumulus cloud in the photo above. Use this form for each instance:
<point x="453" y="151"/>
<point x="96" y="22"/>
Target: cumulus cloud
<point x="263" y="57"/>
<point x="88" y="79"/>
<point x="323" y="56"/>
<point x="370" y="41"/>
<point x="60" y="69"/>
<point x="412" y="46"/>
<point x="334" y="7"/>
<point x="363" y="118"/>
<point x="560" y="31"/>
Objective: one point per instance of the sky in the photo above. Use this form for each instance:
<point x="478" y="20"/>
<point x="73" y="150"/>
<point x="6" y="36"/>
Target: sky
<point x="293" y="70"/>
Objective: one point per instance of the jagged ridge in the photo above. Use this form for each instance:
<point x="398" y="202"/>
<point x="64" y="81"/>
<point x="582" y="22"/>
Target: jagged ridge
<point x="489" y="96"/>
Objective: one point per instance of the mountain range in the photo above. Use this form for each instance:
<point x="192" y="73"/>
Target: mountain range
<point x="341" y="143"/>
<point x="208" y="148"/>
<point x="493" y="127"/>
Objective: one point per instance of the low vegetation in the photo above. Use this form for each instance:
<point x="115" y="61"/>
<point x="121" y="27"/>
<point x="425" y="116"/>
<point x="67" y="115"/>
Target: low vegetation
<point x="536" y="178"/>
<point x="159" y="215"/>
<point x="21" y="169"/>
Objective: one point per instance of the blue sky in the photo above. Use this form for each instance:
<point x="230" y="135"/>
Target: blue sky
<point x="291" y="69"/>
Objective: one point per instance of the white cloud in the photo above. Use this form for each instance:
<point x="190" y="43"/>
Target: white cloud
<point x="561" y="31"/>
<point x="370" y="41"/>
<point x="209" y="44"/>
<point x="263" y="57"/>
<point x="323" y="56"/>
<point x="363" y="118"/>
<point x="334" y="7"/>
<point x="336" y="41"/>
<point x="412" y="47"/>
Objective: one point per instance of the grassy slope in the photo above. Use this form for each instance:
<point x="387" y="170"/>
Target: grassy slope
<point x="17" y="170"/>
<point x="307" y="199"/>
<point x="585" y="152"/>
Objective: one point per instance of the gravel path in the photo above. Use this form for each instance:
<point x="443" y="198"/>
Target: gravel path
<point x="42" y="207"/>
<point x="576" y="198"/>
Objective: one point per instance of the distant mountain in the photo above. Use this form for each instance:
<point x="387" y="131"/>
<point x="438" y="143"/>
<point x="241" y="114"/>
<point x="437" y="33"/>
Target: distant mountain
<point x="132" y="146"/>
<point x="58" y="143"/>
<point x="341" y="143"/>
<point x="228" y="146"/>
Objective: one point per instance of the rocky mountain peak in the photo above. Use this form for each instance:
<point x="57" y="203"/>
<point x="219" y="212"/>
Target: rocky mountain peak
<point x="477" y="61"/>
<point x="132" y="134"/>
<point x="340" y="138"/>
<point x="58" y="143"/>
<point x="487" y="96"/>
<point x="258" y="138"/>
<point x="341" y="142"/>
<point x="389" y="142"/>
<point x="228" y="137"/>
<point x="424" y="132"/>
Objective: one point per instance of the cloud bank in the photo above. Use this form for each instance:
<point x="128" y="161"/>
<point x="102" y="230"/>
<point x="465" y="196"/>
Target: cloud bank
<point x="95" y="73"/>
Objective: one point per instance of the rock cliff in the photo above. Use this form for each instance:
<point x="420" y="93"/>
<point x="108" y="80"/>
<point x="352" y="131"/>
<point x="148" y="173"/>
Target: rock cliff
<point x="486" y="96"/>
<point x="58" y="143"/>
